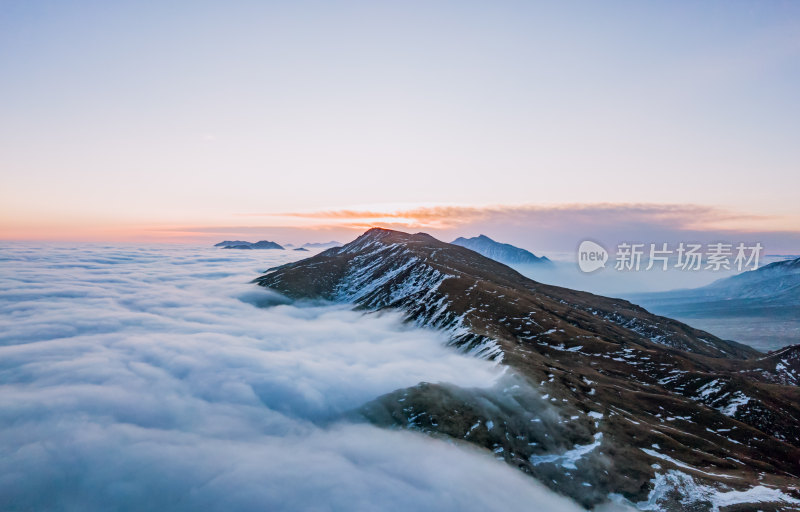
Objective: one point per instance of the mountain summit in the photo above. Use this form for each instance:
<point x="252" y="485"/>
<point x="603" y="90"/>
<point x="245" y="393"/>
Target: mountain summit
<point x="623" y="401"/>
<point x="504" y="253"/>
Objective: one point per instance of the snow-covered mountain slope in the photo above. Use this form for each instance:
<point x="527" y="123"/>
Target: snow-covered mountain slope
<point x="760" y="307"/>
<point x="780" y="367"/>
<point x="778" y="282"/>
<point x="775" y="284"/>
<point x="504" y="253"/>
<point x="619" y="379"/>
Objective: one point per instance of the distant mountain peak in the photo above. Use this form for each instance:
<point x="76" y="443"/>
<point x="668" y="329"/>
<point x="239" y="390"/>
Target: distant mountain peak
<point x="231" y="243"/>
<point x="504" y="253"/>
<point x="776" y="283"/>
<point x="239" y="244"/>
<point x="322" y="245"/>
<point x="790" y="265"/>
<point x="266" y="244"/>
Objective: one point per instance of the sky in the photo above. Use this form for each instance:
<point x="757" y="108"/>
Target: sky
<point x="131" y="121"/>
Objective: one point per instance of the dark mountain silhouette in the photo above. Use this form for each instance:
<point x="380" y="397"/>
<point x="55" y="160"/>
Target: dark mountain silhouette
<point x="227" y="243"/>
<point x="263" y="244"/>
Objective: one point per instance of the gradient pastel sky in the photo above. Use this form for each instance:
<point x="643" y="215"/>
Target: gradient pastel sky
<point x="187" y="121"/>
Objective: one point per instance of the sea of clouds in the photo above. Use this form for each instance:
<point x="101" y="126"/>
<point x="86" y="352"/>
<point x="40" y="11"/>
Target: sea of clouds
<point x="153" y="378"/>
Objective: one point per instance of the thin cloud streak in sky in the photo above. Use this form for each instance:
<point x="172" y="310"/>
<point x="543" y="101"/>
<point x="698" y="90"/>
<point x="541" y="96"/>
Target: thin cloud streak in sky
<point x="685" y="216"/>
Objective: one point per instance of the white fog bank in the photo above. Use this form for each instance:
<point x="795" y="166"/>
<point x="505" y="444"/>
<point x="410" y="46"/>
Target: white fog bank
<point x="139" y="378"/>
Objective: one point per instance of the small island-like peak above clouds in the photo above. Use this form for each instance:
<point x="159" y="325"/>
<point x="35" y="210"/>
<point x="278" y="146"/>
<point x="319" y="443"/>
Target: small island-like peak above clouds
<point x="239" y="244"/>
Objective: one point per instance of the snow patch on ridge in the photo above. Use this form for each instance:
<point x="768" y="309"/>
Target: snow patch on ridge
<point x="568" y="459"/>
<point x="667" y="485"/>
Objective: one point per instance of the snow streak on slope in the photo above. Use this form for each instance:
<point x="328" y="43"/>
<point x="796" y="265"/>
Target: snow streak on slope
<point x="696" y="496"/>
<point x="389" y="275"/>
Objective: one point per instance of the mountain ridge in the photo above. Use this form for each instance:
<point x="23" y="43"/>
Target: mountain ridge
<point x="653" y="380"/>
<point x="470" y="265"/>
